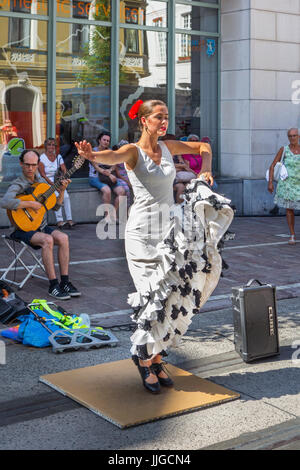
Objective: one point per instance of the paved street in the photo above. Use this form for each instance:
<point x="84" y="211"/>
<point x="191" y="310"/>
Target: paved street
<point x="267" y="416"/>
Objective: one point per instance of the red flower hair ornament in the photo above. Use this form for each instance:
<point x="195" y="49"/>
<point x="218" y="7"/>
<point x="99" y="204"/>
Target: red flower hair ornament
<point x="133" y="112"/>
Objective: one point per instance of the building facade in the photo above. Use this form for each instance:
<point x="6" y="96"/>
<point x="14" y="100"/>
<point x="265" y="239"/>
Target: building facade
<point x="228" y="70"/>
<point x="260" y="93"/>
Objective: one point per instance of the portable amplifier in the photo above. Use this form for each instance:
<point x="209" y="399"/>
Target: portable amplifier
<point x="255" y="320"/>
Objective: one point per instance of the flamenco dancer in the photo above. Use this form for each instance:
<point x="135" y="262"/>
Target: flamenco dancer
<point x="174" y="270"/>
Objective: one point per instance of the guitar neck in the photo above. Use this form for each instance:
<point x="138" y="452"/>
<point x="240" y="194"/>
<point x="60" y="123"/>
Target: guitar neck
<point x="56" y="185"/>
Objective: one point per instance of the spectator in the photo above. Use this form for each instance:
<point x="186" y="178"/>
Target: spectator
<point x="121" y="174"/>
<point x="195" y="161"/>
<point x="184" y="174"/>
<point x="102" y="177"/>
<point x="51" y="165"/>
<point x="288" y="191"/>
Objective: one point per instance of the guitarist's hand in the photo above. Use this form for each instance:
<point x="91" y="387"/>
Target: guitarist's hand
<point x="63" y="185"/>
<point x="35" y="205"/>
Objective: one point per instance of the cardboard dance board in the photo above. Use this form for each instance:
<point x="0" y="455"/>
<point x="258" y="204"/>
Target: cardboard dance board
<point x="115" y="392"/>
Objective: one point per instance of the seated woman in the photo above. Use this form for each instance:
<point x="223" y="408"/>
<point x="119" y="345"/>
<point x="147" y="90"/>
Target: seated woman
<point x="195" y="161"/>
<point x="50" y="164"/>
<point x="184" y="174"/>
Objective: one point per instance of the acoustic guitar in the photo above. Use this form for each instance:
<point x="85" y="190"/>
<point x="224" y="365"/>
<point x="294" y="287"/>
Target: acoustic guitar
<point x="28" y="219"/>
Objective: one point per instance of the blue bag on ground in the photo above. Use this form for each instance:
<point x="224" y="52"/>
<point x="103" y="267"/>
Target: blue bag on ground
<point x="34" y="332"/>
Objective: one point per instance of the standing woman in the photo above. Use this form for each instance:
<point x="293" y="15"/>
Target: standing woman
<point x="288" y="191"/>
<point x="174" y="272"/>
<point x="49" y="164"/>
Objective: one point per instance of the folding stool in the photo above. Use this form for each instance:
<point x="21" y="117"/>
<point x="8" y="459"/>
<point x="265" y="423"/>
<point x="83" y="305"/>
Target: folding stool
<point x="11" y="244"/>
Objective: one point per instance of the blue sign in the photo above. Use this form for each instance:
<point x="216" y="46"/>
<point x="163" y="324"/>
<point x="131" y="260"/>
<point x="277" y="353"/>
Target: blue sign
<point x="210" y="47"/>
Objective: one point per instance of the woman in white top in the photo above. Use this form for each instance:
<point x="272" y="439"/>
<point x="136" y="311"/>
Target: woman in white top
<point x="48" y="166"/>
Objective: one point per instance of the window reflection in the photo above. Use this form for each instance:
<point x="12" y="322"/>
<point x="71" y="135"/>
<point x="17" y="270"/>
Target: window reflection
<point x="23" y="90"/>
<point x="83" y="86"/>
<point x="140" y="12"/>
<point x="144" y="76"/>
<point x="80" y="33"/>
<point x="82" y="9"/>
<point x="25" y="6"/>
<point x="190" y="17"/>
<point x="19" y="29"/>
<point x="196" y="75"/>
<point x="83" y="69"/>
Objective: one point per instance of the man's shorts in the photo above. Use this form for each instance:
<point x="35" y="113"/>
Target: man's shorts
<point x="25" y="237"/>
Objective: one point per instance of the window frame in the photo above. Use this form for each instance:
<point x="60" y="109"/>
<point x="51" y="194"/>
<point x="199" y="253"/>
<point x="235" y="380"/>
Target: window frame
<point x="114" y="23"/>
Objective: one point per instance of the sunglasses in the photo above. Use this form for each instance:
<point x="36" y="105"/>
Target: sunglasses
<point x="294" y="135"/>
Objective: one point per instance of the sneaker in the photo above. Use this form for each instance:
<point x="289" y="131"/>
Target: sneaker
<point x="58" y="293"/>
<point x="69" y="289"/>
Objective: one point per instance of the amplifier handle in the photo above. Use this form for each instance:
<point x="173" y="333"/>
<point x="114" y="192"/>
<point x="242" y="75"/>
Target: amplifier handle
<point x="249" y="283"/>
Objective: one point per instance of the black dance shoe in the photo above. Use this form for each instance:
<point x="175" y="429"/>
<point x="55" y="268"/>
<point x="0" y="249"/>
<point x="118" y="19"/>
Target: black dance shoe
<point x="145" y="371"/>
<point x="158" y="368"/>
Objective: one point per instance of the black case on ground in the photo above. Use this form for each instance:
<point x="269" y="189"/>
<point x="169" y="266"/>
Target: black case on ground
<point x="10" y="309"/>
<point x="255" y="320"/>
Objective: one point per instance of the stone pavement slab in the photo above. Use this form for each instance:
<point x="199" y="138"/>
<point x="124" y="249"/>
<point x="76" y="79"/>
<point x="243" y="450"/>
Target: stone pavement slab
<point x="269" y="393"/>
<point x="99" y="268"/>
<point x="34" y="417"/>
<point x="284" y="436"/>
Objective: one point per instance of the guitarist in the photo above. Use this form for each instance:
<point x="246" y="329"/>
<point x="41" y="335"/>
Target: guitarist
<point x="45" y="237"/>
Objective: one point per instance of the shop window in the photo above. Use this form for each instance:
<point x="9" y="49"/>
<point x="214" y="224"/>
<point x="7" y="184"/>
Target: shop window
<point x="23" y="88"/>
<point x="185" y="42"/>
<point x="143" y="77"/>
<point x="19" y="28"/>
<point x="132" y="41"/>
<point x="161" y="40"/>
<point x="82" y="87"/>
<point x="131" y="15"/>
<point x="80" y="33"/>
<point x="197" y="88"/>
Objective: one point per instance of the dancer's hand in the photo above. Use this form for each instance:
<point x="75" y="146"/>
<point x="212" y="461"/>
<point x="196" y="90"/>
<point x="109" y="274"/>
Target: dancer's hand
<point x="208" y="177"/>
<point x="85" y="150"/>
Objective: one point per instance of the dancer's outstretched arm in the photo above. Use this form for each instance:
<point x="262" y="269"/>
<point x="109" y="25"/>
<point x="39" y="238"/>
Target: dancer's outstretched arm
<point x="178" y="147"/>
<point x="126" y="154"/>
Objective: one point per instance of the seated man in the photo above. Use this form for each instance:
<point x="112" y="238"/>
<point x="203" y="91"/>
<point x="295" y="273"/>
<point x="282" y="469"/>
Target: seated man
<point x="45" y="237"/>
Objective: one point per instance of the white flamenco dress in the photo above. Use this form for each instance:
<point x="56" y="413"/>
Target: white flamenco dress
<point x="173" y="258"/>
